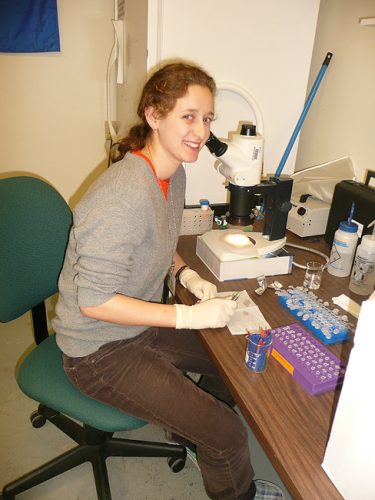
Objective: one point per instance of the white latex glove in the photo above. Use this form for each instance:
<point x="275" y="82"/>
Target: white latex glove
<point x="214" y="313"/>
<point x="199" y="287"/>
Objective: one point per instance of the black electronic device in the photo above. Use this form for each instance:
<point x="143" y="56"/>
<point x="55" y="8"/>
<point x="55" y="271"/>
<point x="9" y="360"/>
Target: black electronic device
<point x="275" y="194"/>
<point x="347" y="192"/>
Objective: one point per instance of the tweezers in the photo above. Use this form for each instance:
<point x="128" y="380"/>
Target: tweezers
<point x="235" y="296"/>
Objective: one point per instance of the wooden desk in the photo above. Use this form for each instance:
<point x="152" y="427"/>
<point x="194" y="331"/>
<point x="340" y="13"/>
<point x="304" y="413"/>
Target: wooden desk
<point x="292" y="426"/>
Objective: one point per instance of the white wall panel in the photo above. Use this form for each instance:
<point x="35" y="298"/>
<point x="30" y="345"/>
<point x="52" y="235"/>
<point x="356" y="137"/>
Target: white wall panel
<point x="263" y="47"/>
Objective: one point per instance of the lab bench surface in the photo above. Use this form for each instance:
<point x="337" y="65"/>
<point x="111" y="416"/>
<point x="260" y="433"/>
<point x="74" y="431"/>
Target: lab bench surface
<point x="291" y="425"/>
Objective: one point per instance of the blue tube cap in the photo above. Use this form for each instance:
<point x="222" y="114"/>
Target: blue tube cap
<point x="349" y="227"/>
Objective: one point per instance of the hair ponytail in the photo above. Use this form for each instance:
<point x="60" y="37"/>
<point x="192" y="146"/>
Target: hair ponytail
<point x="136" y="139"/>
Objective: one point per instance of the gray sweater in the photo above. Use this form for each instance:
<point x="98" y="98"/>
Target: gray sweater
<point x="122" y="241"/>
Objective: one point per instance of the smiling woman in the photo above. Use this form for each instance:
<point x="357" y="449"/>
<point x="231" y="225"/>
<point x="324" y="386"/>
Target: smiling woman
<point x="179" y="92"/>
<point x="180" y="135"/>
<point x="121" y="345"/>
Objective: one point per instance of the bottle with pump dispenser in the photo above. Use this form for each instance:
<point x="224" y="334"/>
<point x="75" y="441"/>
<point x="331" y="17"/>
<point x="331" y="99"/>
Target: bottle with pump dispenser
<point x="362" y="280"/>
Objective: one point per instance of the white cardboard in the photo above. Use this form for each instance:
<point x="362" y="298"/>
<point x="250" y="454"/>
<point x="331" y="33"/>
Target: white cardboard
<point x="349" y="459"/>
<point x="243" y="268"/>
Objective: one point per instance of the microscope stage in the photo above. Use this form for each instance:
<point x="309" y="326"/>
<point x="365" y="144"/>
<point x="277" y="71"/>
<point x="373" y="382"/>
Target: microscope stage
<point x="236" y="254"/>
<point x="235" y="244"/>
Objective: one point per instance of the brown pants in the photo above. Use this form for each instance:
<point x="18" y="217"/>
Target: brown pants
<point x="144" y="377"/>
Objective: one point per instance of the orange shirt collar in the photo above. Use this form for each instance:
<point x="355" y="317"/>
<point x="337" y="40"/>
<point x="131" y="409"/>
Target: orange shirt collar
<point x="164" y="184"/>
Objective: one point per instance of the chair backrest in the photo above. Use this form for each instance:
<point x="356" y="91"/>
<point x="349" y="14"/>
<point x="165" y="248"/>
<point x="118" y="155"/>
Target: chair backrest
<point x="34" y="228"/>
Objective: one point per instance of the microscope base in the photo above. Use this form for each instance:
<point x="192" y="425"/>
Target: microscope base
<point x="260" y="257"/>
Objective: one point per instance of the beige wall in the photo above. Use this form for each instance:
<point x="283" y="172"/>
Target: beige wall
<point x="341" y="120"/>
<point x="53" y="106"/>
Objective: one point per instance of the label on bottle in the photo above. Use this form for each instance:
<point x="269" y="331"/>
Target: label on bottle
<point x="341" y="243"/>
<point x="341" y="257"/>
<point x="362" y="270"/>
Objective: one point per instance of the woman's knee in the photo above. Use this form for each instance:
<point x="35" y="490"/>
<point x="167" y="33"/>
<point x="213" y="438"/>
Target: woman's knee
<point x="230" y="433"/>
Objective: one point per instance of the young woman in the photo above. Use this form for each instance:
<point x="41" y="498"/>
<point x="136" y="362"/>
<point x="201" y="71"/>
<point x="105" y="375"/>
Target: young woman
<point x="120" y="343"/>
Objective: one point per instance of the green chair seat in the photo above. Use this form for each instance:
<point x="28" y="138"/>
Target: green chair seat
<point x="42" y="377"/>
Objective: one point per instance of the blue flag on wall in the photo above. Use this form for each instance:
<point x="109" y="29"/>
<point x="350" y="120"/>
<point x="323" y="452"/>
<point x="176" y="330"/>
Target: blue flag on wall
<point x="29" y="26"/>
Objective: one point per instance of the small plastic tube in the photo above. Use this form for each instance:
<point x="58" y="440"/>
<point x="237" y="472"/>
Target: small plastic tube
<point x="205" y="204"/>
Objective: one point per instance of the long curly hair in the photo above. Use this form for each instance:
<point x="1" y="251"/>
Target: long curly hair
<point x="161" y="91"/>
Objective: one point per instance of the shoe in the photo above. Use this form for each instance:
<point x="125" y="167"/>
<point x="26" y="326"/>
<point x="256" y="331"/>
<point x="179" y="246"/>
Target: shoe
<point x="192" y="456"/>
<point x="265" y="490"/>
<point x="191" y="452"/>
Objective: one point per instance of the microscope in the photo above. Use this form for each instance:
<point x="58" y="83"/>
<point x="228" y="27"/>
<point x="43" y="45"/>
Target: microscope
<point x="238" y="253"/>
<point x="240" y="162"/>
<point x="242" y="254"/>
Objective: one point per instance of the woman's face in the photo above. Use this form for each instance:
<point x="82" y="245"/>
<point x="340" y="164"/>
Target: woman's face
<point x="183" y="132"/>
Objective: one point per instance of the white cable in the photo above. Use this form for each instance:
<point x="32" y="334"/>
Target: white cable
<point x="248" y="98"/>
<point x="111" y="62"/>
<point x="312" y="250"/>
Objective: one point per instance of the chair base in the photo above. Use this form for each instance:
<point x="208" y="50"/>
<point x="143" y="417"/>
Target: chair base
<point x="94" y="446"/>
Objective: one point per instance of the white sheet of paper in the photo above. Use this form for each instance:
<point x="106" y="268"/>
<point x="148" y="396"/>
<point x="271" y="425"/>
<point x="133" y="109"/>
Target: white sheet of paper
<point x="349" y="458"/>
<point x="247" y="317"/>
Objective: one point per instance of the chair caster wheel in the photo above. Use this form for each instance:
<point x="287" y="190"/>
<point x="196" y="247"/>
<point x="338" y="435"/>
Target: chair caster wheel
<point x="176" y="464"/>
<point x="37" y="419"/>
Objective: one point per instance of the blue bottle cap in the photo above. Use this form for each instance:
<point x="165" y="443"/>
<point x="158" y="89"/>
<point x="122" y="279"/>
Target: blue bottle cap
<point x="349" y="227"/>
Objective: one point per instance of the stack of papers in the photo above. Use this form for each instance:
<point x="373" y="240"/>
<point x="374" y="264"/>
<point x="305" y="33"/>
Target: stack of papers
<point x="248" y="317"/>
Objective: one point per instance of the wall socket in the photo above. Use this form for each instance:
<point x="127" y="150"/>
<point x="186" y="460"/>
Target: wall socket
<point x="107" y="135"/>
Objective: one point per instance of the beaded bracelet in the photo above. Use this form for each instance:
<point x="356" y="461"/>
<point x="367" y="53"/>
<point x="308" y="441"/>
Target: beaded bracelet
<point x="178" y="274"/>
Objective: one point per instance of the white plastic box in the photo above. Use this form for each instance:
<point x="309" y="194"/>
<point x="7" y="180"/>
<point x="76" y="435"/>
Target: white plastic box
<point x="196" y="221"/>
<point x="246" y="268"/>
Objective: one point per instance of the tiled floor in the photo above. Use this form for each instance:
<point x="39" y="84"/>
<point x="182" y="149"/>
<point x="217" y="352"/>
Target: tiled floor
<point x="22" y="447"/>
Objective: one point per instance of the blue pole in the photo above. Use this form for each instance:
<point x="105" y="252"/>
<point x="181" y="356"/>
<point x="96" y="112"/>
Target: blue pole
<point x="304" y="113"/>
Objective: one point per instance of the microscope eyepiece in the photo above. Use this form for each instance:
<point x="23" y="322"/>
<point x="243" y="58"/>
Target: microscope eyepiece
<point x="248" y="129"/>
<point x="215" y="146"/>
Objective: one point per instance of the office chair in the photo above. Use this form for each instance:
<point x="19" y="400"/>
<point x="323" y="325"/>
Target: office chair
<point x="34" y="229"/>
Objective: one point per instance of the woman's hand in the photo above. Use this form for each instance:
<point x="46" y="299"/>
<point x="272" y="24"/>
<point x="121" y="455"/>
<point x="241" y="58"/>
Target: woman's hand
<point x="202" y="289"/>
<point x="214" y="313"/>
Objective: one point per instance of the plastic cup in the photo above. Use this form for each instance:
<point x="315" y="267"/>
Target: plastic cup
<point x="313" y="275"/>
<point x="257" y="351"/>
